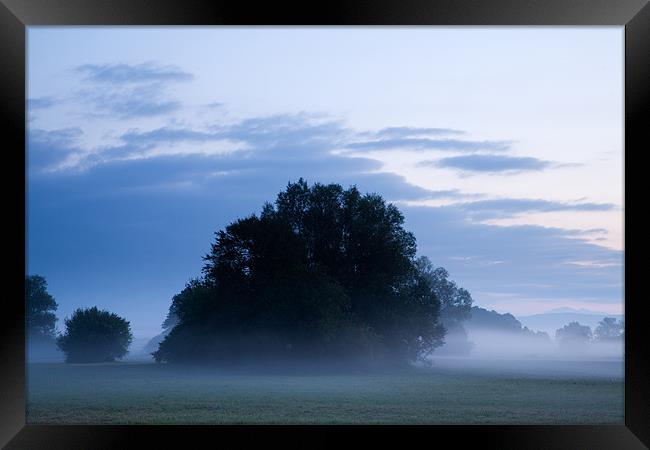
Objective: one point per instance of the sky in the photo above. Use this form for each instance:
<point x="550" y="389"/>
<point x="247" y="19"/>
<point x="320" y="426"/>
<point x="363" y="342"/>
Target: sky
<point x="502" y="146"/>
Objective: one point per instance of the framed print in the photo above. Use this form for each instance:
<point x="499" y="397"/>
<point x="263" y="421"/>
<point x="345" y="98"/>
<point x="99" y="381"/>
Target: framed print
<point x="393" y="219"/>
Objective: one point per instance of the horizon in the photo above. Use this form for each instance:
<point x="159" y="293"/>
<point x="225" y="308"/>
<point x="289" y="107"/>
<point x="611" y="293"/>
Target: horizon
<point x="502" y="147"/>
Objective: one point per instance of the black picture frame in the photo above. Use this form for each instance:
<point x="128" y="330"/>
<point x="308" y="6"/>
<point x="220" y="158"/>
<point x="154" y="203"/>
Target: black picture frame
<point x="16" y="15"/>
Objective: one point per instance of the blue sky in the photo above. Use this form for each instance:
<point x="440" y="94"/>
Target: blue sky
<point x="502" y="146"/>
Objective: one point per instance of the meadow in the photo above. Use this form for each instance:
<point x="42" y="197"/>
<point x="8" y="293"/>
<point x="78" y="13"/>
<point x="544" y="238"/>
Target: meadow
<point x="146" y="393"/>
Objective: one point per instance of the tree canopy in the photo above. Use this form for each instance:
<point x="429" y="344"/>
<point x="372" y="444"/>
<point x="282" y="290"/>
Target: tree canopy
<point x="93" y="335"/>
<point x="39" y="308"/>
<point x="573" y="334"/>
<point x="482" y="319"/>
<point x="322" y="272"/>
<point x="609" y="329"/>
<point x="455" y="306"/>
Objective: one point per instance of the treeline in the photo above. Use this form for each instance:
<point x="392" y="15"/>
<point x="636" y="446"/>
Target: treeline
<point x="321" y="273"/>
<point x="608" y="330"/>
<point x="324" y="272"/>
<point x="497" y="333"/>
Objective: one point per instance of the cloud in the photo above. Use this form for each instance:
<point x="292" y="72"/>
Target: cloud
<point x="65" y="137"/>
<point x="169" y="135"/>
<point x="401" y="132"/>
<point x="289" y="131"/>
<point x="296" y="136"/>
<point x="530" y="255"/>
<point x="429" y="144"/>
<point x="271" y="151"/>
<point x="527" y="205"/>
<point x="596" y="264"/>
<point x="290" y="138"/>
<point x="129" y="91"/>
<point x="508" y="207"/>
<point x="125" y="73"/>
<point x="48" y="149"/>
<point x="490" y="209"/>
<point x="40" y="103"/>
<point x="284" y="147"/>
<point x="127" y="103"/>
<point x="489" y="163"/>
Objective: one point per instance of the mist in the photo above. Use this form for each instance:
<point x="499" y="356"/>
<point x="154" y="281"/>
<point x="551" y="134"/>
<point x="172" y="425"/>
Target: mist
<point x="521" y="355"/>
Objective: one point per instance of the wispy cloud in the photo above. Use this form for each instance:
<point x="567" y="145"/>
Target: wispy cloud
<point x="503" y="208"/>
<point x="402" y="132"/>
<point x="40" y="103"/>
<point x="595" y="264"/>
<point x="141" y="101"/>
<point x="62" y="137"/>
<point x="50" y="149"/>
<point x="126" y="73"/>
<point x="489" y="163"/>
<point x="128" y="91"/>
<point x="509" y="206"/>
<point x="429" y="144"/>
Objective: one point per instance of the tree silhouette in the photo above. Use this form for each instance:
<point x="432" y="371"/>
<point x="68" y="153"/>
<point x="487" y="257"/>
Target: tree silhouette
<point x="455" y="306"/>
<point x="93" y="335"/>
<point x="484" y="319"/>
<point x="573" y="335"/>
<point x="323" y="272"/>
<point x="609" y="329"/>
<point x="39" y="308"/>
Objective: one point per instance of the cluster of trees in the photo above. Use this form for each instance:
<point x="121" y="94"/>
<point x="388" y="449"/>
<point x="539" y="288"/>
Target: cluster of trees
<point x="323" y="272"/>
<point x="483" y="319"/>
<point x="91" y="335"/>
<point x="572" y="335"/>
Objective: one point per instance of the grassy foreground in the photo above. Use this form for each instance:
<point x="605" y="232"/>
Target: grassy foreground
<point x="130" y="393"/>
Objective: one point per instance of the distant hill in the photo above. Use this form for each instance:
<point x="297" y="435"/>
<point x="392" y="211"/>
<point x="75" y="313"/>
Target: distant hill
<point x="565" y="309"/>
<point x="551" y="321"/>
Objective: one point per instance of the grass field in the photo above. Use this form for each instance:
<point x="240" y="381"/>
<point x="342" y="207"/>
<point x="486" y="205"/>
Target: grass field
<point x="141" y="393"/>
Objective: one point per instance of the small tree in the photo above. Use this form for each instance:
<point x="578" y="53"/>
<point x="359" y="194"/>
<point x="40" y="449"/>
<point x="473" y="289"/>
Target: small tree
<point x="95" y="336"/>
<point x="609" y="329"/>
<point x="39" y="309"/>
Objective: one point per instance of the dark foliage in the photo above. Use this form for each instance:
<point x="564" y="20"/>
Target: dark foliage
<point x="168" y="324"/>
<point x="39" y="309"/>
<point x="95" y="336"/>
<point x="322" y="273"/>
<point x="455" y="306"/>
